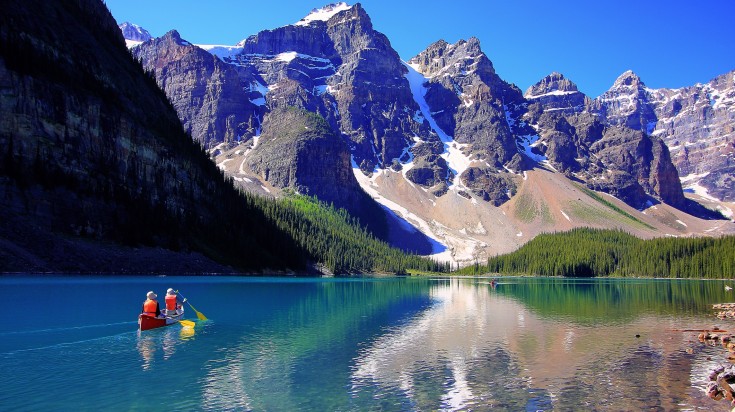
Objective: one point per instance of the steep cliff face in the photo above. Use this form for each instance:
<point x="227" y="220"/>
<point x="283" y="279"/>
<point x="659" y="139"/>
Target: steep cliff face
<point x="603" y="144"/>
<point x="476" y="111"/>
<point x="284" y="157"/>
<point x="207" y="93"/>
<point x="94" y="157"/>
<point x="635" y="166"/>
<point x="557" y="93"/>
<point x="469" y="101"/>
<point x="695" y="122"/>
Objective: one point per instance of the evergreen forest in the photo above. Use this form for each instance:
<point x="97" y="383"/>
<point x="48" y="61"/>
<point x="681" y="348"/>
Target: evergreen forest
<point x="335" y="239"/>
<point x="586" y="252"/>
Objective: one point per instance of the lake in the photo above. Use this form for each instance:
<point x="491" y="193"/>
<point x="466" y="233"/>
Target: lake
<point x="394" y="344"/>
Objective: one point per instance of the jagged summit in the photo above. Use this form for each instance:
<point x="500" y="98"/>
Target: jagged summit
<point x="464" y="57"/>
<point x="628" y="78"/>
<point x="554" y="83"/>
<point x="134" y="34"/>
<point x="324" y="13"/>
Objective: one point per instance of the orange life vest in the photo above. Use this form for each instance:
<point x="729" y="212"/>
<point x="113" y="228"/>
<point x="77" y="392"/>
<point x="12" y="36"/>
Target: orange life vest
<point x="149" y="307"/>
<point x="171" y="302"/>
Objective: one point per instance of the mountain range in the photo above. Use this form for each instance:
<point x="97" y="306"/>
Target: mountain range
<point x="464" y="164"/>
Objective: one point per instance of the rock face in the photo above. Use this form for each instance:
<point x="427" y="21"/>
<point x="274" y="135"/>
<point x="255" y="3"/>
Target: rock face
<point x="207" y="93"/>
<point x="587" y="139"/>
<point x="557" y="93"/>
<point x="635" y="166"/>
<point x="697" y="124"/>
<point x="133" y="32"/>
<point x="284" y="157"/>
<point x="95" y="159"/>
<point x="468" y="100"/>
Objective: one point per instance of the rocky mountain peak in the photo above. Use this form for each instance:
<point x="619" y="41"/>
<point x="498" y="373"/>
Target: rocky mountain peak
<point x="134" y="32"/>
<point x="556" y="92"/>
<point x="174" y="37"/>
<point x="626" y="103"/>
<point x="163" y="49"/>
<point x="628" y="79"/>
<point x="553" y="83"/>
<point x="324" y="13"/>
<point x="464" y="57"/>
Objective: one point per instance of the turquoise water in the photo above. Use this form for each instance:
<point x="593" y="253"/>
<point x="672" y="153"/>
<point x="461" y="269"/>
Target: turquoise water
<point x="275" y="344"/>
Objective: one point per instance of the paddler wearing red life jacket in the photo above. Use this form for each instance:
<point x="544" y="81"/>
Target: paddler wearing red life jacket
<point x="150" y="306"/>
<point x="171" y="303"/>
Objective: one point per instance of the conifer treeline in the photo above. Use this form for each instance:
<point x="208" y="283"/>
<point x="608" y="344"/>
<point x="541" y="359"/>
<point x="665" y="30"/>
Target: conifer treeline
<point x="594" y="252"/>
<point x="335" y="239"/>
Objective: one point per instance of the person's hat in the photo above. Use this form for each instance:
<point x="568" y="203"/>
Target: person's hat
<point x="151" y="295"/>
<point x="170" y="291"/>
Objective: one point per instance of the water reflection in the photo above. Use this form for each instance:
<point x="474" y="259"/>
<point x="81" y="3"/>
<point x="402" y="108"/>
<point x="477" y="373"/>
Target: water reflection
<point x="167" y="340"/>
<point x="147" y="349"/>
<point x="478" y="347"/>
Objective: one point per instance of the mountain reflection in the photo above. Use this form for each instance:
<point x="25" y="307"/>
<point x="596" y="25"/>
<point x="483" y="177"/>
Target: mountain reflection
<point x="478" y="347"/>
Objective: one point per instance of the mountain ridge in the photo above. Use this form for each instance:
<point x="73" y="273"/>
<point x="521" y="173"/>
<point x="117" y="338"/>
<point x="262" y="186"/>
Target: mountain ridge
<point x="445" y="123"/>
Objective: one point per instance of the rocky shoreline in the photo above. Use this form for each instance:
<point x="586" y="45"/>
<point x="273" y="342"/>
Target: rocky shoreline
<point x="722" y="378"/>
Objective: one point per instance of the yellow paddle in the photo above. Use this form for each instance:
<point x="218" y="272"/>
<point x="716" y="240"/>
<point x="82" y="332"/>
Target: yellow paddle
<point x="186" y="323"/>
<point x="200" y="315"/>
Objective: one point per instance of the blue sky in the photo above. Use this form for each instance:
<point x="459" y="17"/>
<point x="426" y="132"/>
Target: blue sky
<point x="667" y="43"/>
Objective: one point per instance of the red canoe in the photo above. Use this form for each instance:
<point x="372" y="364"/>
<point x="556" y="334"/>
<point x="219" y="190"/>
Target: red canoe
<point x="146" y="322"/>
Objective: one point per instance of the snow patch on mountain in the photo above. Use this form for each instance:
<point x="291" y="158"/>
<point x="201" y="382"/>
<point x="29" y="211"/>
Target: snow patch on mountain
<point x="134" y="34"/>
<point x="453" y="154"/>
<point x="370" y="187"/>
<point x="690" y="184"/>
<point x="221" y="51"/>
<point x="323" y="14"/>
<point x="551" y="93"/>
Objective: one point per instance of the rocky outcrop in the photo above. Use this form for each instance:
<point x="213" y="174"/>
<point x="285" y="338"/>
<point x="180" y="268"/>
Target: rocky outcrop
<point x="207" y="93"/>
<point x="557" y="93"/>
<point x="135" y="33"/>
<point x="601" y="144"/>
<point x="635" y="166"/>
<point x="489" y="185"/>
<point x="469" y="101"/>
<point x="695" y="122"/>
<point x="284" y="157"/>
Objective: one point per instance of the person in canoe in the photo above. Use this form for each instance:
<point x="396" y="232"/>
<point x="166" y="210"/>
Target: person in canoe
<point x="173" y="307"/>
<point x="150" y="306"/>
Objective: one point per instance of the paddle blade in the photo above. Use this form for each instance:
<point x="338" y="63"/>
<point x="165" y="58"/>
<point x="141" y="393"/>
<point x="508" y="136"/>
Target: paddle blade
<point x="201" y="316"/>
<point x="187" y="323"/>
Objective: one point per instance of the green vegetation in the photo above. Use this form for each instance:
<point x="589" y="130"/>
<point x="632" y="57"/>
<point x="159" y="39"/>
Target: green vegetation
<point x="525" y="208"/>
<point x="333" y="238"/>
<point x="605" y="202"/>
<point x="588" y="301"/>
<point x="594" y="252"/>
